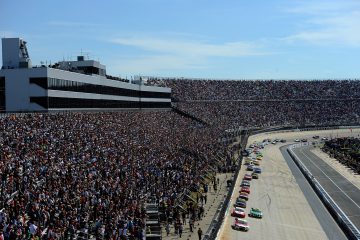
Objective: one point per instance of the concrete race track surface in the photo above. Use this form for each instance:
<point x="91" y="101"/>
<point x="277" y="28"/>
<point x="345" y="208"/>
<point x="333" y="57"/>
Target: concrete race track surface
<point x="344" y="193"/>
<point x="291" y="208"/>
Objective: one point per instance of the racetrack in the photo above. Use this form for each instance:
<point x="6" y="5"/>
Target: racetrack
<point x="343" y="192"/>
<point x="291" y="208"/>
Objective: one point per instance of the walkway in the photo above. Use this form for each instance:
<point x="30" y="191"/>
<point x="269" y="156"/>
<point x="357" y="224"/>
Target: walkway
<point x="213" y="201"/>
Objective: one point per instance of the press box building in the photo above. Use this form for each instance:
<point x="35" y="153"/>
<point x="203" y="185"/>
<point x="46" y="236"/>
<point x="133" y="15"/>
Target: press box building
<point x="68" y="85"/>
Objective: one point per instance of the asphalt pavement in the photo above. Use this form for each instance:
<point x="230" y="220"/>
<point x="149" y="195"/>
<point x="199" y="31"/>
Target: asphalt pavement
<point x="331" y="228"/>
<point x="343" y="192"/>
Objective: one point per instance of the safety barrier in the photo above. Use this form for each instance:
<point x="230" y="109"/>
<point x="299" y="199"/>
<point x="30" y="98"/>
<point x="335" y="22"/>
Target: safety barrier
<point x="340" y="217"/>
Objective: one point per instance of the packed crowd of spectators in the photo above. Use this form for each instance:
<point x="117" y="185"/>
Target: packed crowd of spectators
<point x="233" y="114"/>
<point x="189" y="90"/>
<point x="265" y="103"/>
<point x="70" y="172"/>
<point x="346" y="151"/>
<point x="93" y="172"/>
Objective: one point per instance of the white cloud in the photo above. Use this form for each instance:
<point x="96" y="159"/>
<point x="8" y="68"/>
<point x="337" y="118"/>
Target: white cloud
<point x="323" y="7"/>
<point x="329" y="23"/>
<point x="156" y="63"/>
<point x="172" y="53"/>
<point x="192" y="48"/>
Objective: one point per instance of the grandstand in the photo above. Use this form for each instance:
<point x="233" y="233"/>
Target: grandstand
<point x="346" y="151"/>
<point x="114" y="174"/>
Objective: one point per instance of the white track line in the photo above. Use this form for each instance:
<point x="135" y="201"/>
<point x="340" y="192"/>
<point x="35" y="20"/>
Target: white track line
<point x="301" y="150"/>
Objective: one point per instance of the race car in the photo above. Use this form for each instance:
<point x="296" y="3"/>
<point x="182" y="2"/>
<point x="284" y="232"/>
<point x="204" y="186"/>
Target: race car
<point x="248" y="162"/>
<point x="249" y="150"/>
<point x="304" y="140"/>
<point x="244" y="195"/>
<point x="256" y="163"/>
<point x="255" y="175"/>
<point x="238" y="212"/>
<point x="245" y="189"/>
<point x="297" y="140"/>
<point x="245" y="183"/>
<point x="256" y="213"/>
<point x="257" y="170"/>
<point x="250" y="167"/>
<point x="240" y="203"/>
<point x="241" y="225"/>
<point x="247" y="176"/>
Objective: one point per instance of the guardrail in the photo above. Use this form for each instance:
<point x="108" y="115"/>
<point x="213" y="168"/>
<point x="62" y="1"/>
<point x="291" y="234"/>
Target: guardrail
<point x="345" y="223"/>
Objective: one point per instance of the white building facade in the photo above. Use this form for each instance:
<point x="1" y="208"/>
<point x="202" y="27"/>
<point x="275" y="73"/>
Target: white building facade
<point x="68" y="85"/>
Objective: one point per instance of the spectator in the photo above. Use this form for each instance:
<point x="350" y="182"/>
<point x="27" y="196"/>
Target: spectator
<point x="180" y="230"/>
<point x="167" y="228"/>
<point x="93" y="173"/>
<point x="200" y="233"/>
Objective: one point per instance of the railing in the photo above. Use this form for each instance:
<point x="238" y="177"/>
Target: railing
<point x="345" y="223"/>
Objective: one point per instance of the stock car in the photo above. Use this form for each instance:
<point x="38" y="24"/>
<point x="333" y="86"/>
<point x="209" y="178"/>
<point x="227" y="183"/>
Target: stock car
<point x="247" y="176"/>
<point x="304" y="140"/>
<point x="249" y="150"/>
<point x="248" y="162"/>
<point x="257" y="170"/>
<point x="245" y="183"/>
<point x="240" y="203"/>
<point x="250" y="167"/>
<point x="244" y="195"/>
<point x="255" y="175"/>
<point x="297" y="140"/>
<point x="241" y="225"/>
<point x="256" y="163"/>
<point x="256" y="213"/>
<point x="245" y="189"/>
<point x="238" y="212"/>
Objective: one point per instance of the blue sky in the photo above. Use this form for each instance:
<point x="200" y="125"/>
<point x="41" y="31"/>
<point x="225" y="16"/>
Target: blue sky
<point x="230" y="39"/>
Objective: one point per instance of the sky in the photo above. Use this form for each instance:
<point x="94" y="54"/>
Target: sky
<point x="227" y="39"/>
